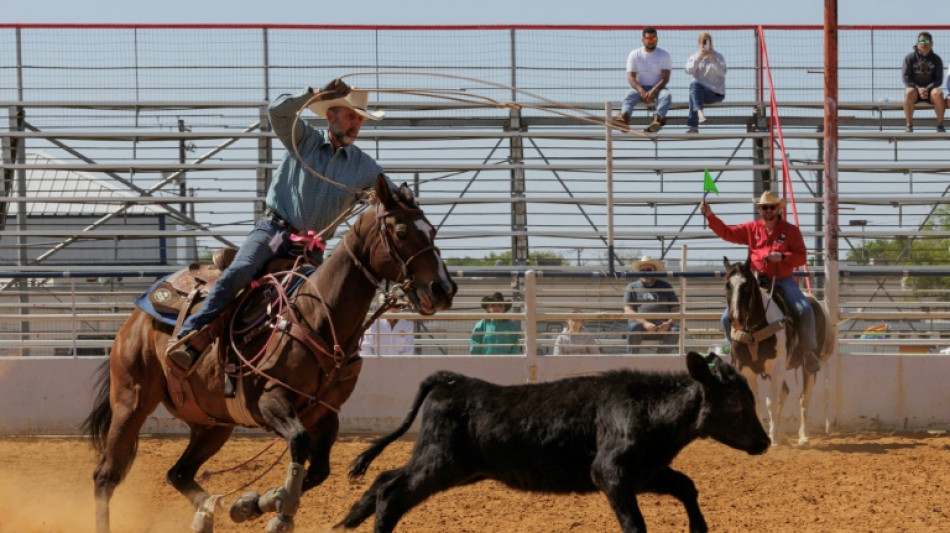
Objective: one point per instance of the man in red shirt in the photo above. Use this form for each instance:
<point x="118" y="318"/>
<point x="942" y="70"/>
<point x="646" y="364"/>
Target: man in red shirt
<point x="776" y="249"/>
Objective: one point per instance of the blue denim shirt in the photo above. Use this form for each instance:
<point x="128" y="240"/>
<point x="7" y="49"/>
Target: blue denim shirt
<point x="305" y="201"/>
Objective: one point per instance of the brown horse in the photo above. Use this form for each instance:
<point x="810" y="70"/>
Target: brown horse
<point x="765" y="344"/>
<point x="305" y="376"/>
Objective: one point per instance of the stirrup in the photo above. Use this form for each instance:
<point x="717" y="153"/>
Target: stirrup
<point x="181" y="353"/>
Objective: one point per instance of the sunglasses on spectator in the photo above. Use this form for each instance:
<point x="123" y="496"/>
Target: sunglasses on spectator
<point x="647" y="269"/>
<point x="923" y="41"/>
<point x="768" y="207"/>
<point x="650" y="38"/>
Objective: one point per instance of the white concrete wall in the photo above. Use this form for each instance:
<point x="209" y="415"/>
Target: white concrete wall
<point x="43" y="396"/>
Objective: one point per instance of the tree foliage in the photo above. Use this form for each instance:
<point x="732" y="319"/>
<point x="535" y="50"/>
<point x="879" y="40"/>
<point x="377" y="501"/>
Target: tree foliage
<point x="504" y="259"/>
<point x="913" y="251"/>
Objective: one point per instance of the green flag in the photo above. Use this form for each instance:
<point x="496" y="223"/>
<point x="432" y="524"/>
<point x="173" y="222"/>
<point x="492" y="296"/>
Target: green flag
<point x="709" y="185"/>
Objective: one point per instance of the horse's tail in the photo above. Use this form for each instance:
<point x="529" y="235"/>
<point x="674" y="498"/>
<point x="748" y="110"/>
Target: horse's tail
<point x="97" y="423"/>
<point x="362" y="461"/>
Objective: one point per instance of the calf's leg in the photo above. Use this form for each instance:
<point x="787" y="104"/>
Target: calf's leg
<point x="366" y="505"/>
<point x="612" y="478"/>
<point x="681" y="487"/>
<point x="430" y="470"/>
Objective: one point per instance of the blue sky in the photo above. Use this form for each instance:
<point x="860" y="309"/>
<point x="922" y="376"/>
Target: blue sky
<point x="600" y="12"/>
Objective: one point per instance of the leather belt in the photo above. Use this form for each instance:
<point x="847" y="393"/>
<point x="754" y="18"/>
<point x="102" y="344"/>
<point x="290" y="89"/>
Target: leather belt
<point x="277" y="219"/>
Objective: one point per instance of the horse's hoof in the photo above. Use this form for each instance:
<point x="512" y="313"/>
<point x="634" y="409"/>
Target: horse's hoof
<point x="203" y="522"/>
<point x="245" y="508"/>
<point x="280" y="524"/>
<point x="804" y="441"/>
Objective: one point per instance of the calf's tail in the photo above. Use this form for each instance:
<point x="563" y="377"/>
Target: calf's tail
<point x="362" y="461"/>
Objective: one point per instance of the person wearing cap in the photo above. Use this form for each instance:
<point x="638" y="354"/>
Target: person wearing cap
<point x="776" y="249"/>
<point x="650" y="295"/>
<point x="922" y="73"/>
<point x="496" y="336"/>
<point x="297" y="201"/>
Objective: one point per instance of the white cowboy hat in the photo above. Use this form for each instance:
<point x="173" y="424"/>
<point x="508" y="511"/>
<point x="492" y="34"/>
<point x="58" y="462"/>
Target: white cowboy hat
<point x="647" y="260"/>
<point x="356" y="101"/>
<point x="769" y="198"/>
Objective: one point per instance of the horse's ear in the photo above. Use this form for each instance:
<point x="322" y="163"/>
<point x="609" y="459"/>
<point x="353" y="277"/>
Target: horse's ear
<point x="406" y="192"/>
<point x="725" y="262"/>
<point x="748" y="264"/>
<point x="382" y="190"/>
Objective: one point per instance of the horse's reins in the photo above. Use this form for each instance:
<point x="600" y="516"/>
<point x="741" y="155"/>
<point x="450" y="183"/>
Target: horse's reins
<point x="406" y="281"/>
<point x="748" y="334"/>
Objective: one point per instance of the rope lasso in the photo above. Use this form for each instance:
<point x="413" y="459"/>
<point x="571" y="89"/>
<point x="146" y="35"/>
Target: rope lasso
<point x="548" y="106"/>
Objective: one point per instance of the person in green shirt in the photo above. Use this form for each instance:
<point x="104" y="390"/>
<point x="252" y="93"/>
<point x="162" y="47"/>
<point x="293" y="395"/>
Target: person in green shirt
<point x="496" y="336"/>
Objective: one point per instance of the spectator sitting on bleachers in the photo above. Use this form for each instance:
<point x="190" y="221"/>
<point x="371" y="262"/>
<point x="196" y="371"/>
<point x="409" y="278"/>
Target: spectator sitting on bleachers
<point x="574" y="340"/>
<point x="496" y="336"/>
<point x="389" y="336"/>
<point x="650" y="295"/>
<point x="708" y="69"/>
<point x="648" y="72"/>
<point x="922" y="73"/>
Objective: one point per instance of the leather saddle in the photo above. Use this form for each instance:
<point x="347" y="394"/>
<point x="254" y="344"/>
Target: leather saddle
<point x="796" y="356"/>
<point x="175" y="291"/>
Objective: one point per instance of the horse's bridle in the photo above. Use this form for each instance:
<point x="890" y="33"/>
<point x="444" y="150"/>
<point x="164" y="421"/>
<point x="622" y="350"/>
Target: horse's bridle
<point x="406" y="282"/>
<point x="749" y="334"/>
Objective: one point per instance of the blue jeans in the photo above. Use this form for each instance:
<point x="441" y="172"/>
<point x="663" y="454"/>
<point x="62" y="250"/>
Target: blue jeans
<point x="636" y="334"/>
<point x="699" y="96"/>
<point x="800" y="308"/>
<point x="245" y="268"/>
<point x="633" y="98"/>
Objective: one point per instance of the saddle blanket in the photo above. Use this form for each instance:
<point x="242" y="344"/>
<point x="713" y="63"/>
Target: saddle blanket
<point x="143" y="303"/>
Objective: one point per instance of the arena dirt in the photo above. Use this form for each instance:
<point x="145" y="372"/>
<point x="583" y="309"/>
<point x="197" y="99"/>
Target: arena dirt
<point x="847" y="482"/>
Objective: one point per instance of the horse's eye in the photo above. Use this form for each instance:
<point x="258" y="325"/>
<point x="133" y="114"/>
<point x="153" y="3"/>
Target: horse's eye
<point x="401" y="232"/>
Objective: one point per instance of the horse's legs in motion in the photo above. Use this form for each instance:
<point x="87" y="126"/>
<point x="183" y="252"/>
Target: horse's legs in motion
<point x="322" y="437"/>
<point x="133" y="398"/>
<point x="204" y="442"/>
<point x="753" y="380"/>
<point x="279" y="413"/>
<point x="775" y="400"/>
<point x="808" y="383"/>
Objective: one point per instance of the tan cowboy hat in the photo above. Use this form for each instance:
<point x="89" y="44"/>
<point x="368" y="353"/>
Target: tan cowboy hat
<point x="647" y="260"/>
<point x="495" y="299"/>
<point x="356" y="101"/>
<point x="769" y="198"/>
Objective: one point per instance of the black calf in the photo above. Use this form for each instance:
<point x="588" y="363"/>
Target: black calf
<point x="616" y="433"/>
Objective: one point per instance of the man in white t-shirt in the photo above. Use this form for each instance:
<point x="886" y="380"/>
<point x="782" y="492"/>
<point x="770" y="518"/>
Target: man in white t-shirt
<point x="648" y="72"/>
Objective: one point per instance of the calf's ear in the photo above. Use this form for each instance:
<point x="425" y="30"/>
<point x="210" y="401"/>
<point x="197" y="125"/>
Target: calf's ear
<point x="699" y="368"/>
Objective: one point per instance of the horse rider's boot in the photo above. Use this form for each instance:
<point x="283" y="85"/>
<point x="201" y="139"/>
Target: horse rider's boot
<point x="812" y="362"/>
<point x="181" y="353"/>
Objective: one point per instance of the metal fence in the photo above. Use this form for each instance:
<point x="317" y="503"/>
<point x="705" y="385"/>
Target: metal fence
<point x="146" y="147"/>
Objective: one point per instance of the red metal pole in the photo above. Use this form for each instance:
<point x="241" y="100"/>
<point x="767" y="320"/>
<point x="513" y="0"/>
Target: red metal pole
<point x="831" y="137"/>
<point x="831" y="200"/>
